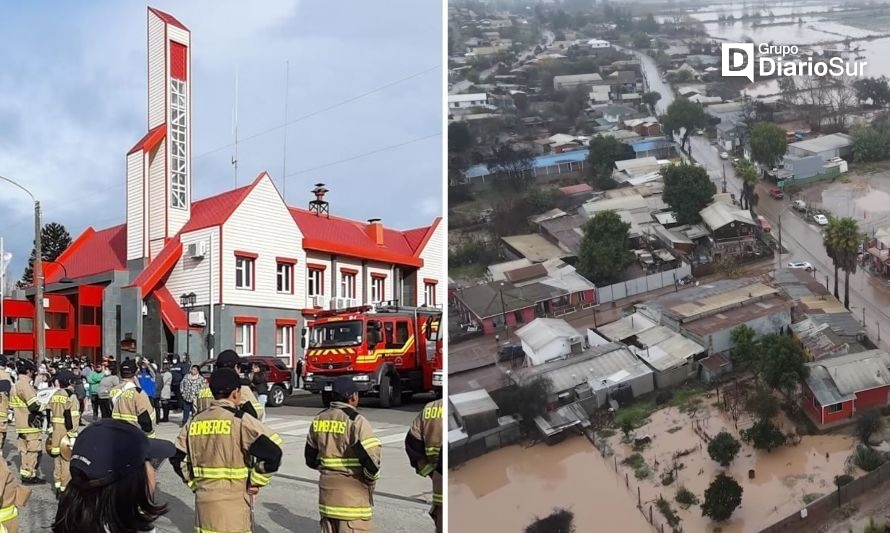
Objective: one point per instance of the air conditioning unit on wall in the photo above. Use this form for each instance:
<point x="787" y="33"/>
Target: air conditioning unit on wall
<point x="316" y="301"/>
<point x="196" y="318"/>
<point x="197" y="250"/>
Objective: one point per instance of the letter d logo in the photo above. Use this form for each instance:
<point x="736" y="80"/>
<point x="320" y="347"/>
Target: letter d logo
<point x="737" y="59"/>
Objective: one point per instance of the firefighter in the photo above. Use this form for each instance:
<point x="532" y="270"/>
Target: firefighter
<point x="131" y="404"/>
<point x="65" y="419"/>
<point x="423" y="444"/>
<point x="28" y="422"/>
<point x="342" y="446"/>
<point x="249" y="403"/>
<point x="228" y="456"/>
<point x="12" y="496"/>
<point x="5" y="391"/>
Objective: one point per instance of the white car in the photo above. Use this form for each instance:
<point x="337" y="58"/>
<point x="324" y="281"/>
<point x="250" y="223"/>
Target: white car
<point x="821" y="219"/>
<point x="800" y="265"/>
<point x="724" y="155"/>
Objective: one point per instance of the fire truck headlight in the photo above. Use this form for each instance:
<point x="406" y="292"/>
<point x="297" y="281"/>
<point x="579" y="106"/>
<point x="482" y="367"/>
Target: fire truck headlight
<point x="361" y="377"/>
<point x="308" y="377"/>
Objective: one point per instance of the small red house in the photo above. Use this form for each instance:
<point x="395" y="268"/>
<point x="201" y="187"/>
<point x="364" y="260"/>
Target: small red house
<point x="840" y="387"/>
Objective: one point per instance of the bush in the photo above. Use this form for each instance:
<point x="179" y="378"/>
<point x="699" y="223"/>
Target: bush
<point x="723" y="448"/>
<point x="842" y="479"/>
<point x="762" y="404"/>
<point x="559" y="521"/>
<point x="686" y="498"/>
<point x="868" y="424"/>
<point x="867" y="458"/>
<point x="665" y="507"/>
<point x="764" y="435"/>
<point x="636" y="415"/>
<point x="638" y="464"/>
<point x="721" y="498"/>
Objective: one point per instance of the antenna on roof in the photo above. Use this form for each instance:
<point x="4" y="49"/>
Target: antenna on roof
<point x="319" y="206"/>
<point x="284" y="149"/>
<point x="235" y="128"/>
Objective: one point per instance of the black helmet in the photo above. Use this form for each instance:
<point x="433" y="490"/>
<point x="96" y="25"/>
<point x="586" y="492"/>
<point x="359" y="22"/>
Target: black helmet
<point x="228" y="359"/>
<point x="2" y="360"/>
<point x="24" y="365"/>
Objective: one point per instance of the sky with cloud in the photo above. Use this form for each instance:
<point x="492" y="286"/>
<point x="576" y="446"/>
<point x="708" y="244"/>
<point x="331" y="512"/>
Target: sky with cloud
<point x="364" y="105"/>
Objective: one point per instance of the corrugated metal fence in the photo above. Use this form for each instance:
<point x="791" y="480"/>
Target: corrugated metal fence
<point x="642" y="285"/>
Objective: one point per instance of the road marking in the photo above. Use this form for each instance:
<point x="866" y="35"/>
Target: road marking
<point x="284" y="426"/>
<point x="391" y="439"/>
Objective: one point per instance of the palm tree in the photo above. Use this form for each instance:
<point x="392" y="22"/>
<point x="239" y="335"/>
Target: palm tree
<point x="829" y="241"/>
<point x="747" y="172"/>
<point x="847" y="239"/>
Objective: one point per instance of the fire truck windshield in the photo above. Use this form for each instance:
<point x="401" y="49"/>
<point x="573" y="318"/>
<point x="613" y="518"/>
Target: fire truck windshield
<point x="336" y="334"/>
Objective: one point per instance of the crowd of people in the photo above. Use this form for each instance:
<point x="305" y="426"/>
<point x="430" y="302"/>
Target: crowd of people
<point x="105" y="473"/>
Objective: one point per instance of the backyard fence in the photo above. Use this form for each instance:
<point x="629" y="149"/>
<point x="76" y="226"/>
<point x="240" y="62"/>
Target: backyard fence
<point x="819" y="510"/>
<point x="482" y="443"/>
<point x="642" y="285"/>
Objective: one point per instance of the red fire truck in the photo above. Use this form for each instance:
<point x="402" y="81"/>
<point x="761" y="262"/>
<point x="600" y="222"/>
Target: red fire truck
<point x="389" y="351"/>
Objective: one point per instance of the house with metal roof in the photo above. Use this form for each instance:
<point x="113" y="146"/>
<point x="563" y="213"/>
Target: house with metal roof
<point x="732" y="230"/>
<point x="840" y="387"/>
<point x="548" y="339"/>
<point x="240" y="269"/>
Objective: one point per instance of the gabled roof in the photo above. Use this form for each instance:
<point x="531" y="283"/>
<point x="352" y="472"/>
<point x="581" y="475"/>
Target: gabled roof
<point x="151" y="139"/>
<point x="171" y="313"/>
<point x="215" y="210"/>
<point x="93" y="252"/>
<point x="160" y="266"/>
<point x="168" y="18"/>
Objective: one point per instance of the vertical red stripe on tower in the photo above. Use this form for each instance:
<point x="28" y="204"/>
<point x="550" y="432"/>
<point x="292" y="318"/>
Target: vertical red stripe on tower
<point x="178" y="61"/>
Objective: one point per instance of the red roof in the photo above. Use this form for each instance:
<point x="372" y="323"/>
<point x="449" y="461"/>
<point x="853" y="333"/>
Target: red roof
<point x="157" y="270"/>
<point x="93" y="252"/>
<point x="171" y="313"/>
<point x="575" y="189"/>
<point x="151" y="139"/>
<point x="215" y="210"/>
<point x="167" y="18"/>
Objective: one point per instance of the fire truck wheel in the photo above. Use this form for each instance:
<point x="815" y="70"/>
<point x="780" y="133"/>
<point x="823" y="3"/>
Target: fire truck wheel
<point x="327" y="398"/>
<point x="386" y="392"/>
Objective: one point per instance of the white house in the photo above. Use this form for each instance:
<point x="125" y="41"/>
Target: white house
<point x="467" y="101"/>
<point x="548" y="339"/>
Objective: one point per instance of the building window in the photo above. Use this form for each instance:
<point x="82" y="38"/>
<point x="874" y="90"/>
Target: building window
<point x="56" y="321"/>
<point x="284" y="341"/>
<point x="244" y="268"/>
<point x="315" y="282"/>
<point x="245" y="333"/>
<point x="90" y="316"/>
<point x="429" y="293"/>
<point x="19" y="325"/>
<point x="378" y="288"/>
<point x="835" y="407"/>
<point x="178" y="144"/>
<point x="347" y="284"/>
<point x="285" y="278"/>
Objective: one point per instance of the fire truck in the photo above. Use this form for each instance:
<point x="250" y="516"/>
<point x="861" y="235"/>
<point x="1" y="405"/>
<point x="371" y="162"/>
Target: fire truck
<point x="390" y="351"/>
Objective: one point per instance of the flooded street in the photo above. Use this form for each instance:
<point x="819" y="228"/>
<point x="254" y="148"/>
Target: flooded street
<point x="866" y="199"/>
<point x="524" y="483"/>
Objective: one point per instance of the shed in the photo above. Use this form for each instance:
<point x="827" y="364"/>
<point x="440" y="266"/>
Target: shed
<point x="474" y="411"/>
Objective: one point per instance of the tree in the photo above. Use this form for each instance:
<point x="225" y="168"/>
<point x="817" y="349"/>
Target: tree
<point x="869" y="423"/>
<point x="783" y="363"/>
<point x="768" y="143"/>
<point x="762" y="404"/>
<point x="459" y="137"/>
<point x="723" y="448"/>
<point x="684" y="116"/>
<point x="640" y="40"/>
<point x="764" y="435"/>
<point x="747" y="173"/>
<point x="744" y="351"/>
<point x="605" y="248"/>
<point x="829" y="241"/>
<point x="651" y="98"/>
<point x="844" y="242"/>
<point x="875" y="89"/>
<point x="721" y="498"/>
<point x="529" y="400"/>
<point x="687" y="189"/>
<point x="559" y="521"/>
<point x="601" y="156"/>
<point x="54" y="239"/>
<point x="512" y="166"/>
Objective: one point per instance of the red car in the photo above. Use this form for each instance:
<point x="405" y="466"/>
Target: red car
<point x="279" y="376"/>
<point x="776" y="193"/>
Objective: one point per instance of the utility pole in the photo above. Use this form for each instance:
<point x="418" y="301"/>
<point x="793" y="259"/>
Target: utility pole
<point x="38" y="284"/>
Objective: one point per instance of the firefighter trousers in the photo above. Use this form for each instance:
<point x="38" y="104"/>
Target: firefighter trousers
<point x="223" y="516"/>
<point x="61" y="473"/>
<point x="332" y="525"/>
<point x="29" y="450"/>
<point x="436" y="513"/>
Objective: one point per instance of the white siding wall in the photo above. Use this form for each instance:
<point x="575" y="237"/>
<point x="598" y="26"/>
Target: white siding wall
<point x="352" y="264"/>
<point x="135" y="190"/>
<point x="433" y="265"/>
<point x="157" y="195"/>
<point x="178" y="34"/>
<point x="381" y="268"/>
<point x="191" y="275"/>
<point x="317" y="259"/>
<point x="263" y="225"/>
<point x="157" y="71"/>
<point x="155" y="248"/>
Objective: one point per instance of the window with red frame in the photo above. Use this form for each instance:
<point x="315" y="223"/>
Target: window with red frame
<point x="244" y="269"/>
<point x="429" y="293"/>
<point x="245" y="333"/>
<point x="285" y="278"/>
<point x="378" y="289"/>
<point x="315" y="281"/>
<point x="347" y="284"/>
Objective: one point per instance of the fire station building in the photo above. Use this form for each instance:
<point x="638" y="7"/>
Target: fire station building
<point x="257" y="267"/>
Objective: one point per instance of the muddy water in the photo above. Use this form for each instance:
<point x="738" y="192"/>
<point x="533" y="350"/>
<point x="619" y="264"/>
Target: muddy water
<point x="865" y="199"/>
<point x="505" y="490"/>
<point x="782" y="477"/>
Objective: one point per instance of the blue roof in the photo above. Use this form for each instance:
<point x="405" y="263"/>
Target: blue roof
<point x="645" y="146"/>
<point x="541" y="161"/>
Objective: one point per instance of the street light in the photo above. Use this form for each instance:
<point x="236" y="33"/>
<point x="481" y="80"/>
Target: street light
<point x="187" y="301"/>
<point x="38" y="272"/>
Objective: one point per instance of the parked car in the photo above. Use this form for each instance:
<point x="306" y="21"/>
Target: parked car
<point x="799" y="205"/>
<point x="821" y="219"/>
<point x="724" y="155"/>
<point x="776" y="193"/>
<point x="278" y="375"/>
<point x="796" y="265"/>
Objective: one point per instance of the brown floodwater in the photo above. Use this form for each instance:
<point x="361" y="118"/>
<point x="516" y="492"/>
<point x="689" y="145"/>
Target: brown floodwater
<point x="505" y="490"/>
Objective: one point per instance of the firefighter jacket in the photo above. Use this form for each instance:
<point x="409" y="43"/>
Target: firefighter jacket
<point x="24" y="403"/>
<point x="342" y="446"/>
<point x="222" y="452"/>
<point x="133" y="406"/>
<point x="64" y="418"/>
<point x="423" y="444"/>
<point x="5" y="383"/>
<point x="12" y="496"/>
<point x="249" y="402"/>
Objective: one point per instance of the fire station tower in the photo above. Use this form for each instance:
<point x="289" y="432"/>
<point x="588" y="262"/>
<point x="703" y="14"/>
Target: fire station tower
<point x="159" y="166"/>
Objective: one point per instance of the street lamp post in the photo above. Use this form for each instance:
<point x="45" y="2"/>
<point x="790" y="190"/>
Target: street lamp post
<point x="187" y="301"/>
<point x="37" y="274"/>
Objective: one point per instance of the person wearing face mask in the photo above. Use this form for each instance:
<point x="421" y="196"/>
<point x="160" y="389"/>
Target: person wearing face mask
<point x="94" y="380"/>
<point x="109" y="381"/>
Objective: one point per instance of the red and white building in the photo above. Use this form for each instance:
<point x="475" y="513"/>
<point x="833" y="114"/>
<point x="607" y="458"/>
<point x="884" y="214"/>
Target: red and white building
<point x="840" y="387"/>
<point x="257" y="266"/>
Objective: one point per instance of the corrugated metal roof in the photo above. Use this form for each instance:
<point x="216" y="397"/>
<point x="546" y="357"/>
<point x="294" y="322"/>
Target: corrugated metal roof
<point x="93" y="252"/>
<point x="665" y="349"/>
<point x="836" y="379"/>
<point x="594" y="365"/>
<point x="844" y="324"/>
<point x="824" y="143"/>
<point x="718" y="215"/>
<point x="542" y="331"/>
<point x="472" y="402"/>
<point x="818" y="339"/>
<point x="626" y="327"/>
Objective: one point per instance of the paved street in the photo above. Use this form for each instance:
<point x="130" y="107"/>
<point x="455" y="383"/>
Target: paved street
<point x="290" y="501"/>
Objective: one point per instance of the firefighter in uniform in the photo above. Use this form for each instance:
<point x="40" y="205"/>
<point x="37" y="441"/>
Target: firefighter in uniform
<point x="131" y="404"/>
<point x="423" y="444"/>
<point x="65" y="419"/>
<point x="225" y="456"/>
<point x="342" y="446"/>
<point x="12" y="496"/>
<point x="28" y="422"/>
<point x="5" y="392"/>
<point x="249" y="403"/>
